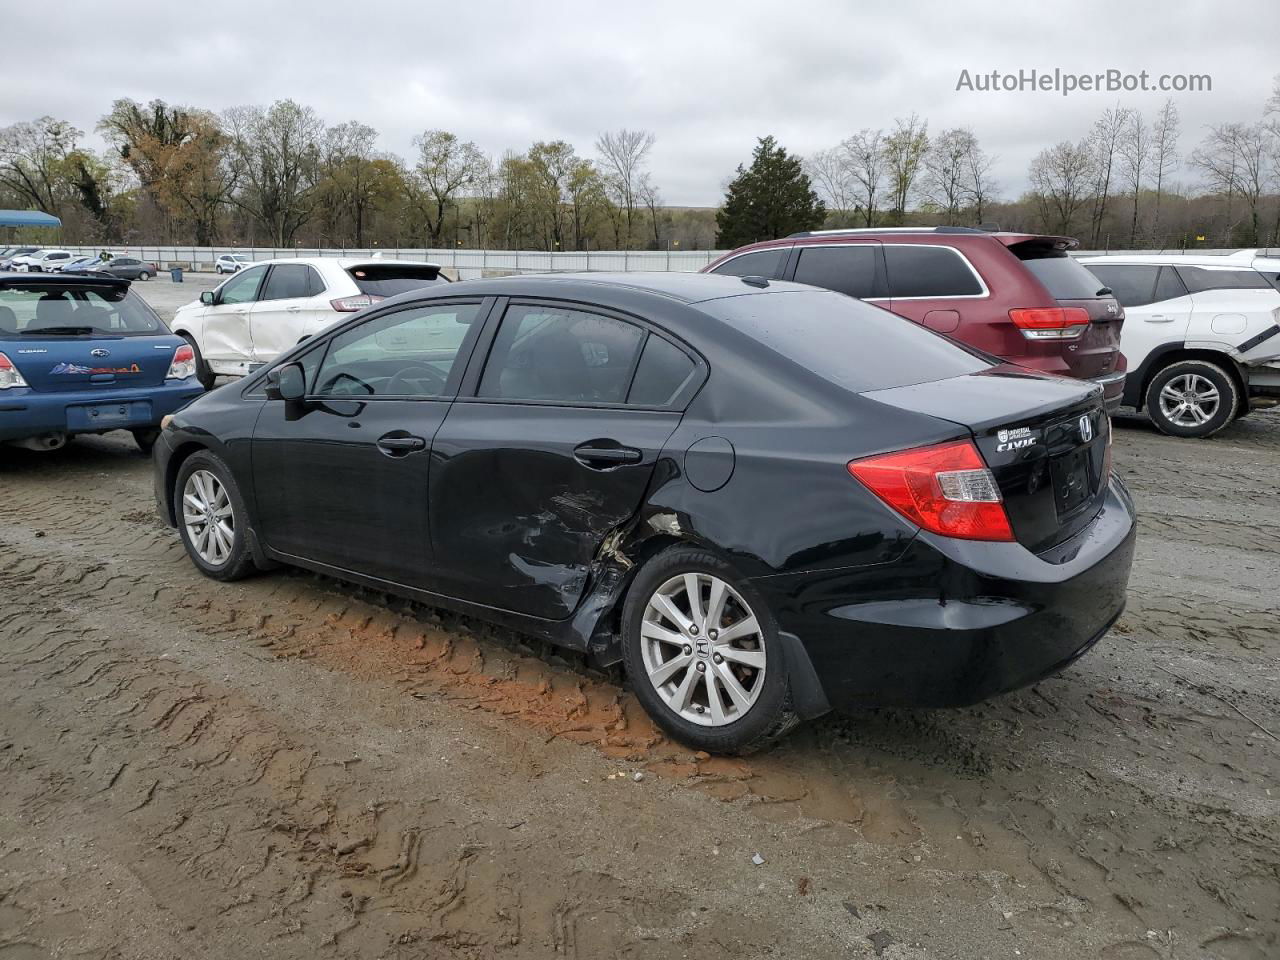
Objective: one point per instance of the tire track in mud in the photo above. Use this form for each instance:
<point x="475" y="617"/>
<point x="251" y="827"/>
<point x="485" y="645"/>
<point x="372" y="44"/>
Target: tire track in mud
<point x="994" y="778"/>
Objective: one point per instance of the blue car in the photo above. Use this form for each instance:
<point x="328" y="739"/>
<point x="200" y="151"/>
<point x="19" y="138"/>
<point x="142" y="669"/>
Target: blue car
<point x="85" y="354"/>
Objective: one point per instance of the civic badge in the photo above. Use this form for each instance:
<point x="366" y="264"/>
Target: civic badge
<point x="99" y="352"/>
<point x="1086" y="429"/>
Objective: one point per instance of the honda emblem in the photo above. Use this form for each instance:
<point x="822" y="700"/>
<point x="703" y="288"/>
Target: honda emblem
<point x="1086" y="429"/>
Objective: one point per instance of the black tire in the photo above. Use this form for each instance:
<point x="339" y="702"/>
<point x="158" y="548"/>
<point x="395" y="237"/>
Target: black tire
<point x="143" y="275"/>
<point x="1228" y="394"/>
<point x="767" y="719"/>
<point x="204" y="376"/>
<point x="145" y="438"/>
<point x="239" y="562"/>
<point x="217" y="270"/>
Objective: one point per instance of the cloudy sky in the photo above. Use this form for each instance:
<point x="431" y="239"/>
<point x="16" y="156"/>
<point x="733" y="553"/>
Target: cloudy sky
<point x="707" y="78"/>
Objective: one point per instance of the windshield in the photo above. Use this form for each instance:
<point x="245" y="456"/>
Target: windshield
<point x="59" y="310"/>
<point x="851" y="343"/>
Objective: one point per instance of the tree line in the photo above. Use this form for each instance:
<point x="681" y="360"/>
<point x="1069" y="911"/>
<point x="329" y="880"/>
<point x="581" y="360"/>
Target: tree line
<point x="279" y="176"/>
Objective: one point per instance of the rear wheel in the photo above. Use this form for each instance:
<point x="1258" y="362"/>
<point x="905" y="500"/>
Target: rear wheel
<point x="1192" y="398"/>
<point x="144" y="275"/>
<point x="204" y="375"/>
<point x="212" y="519"/>
<point x="702" y="651"/>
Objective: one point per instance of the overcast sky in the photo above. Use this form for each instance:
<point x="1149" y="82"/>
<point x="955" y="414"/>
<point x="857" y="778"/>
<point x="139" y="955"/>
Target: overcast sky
<point x="707" y="78"/>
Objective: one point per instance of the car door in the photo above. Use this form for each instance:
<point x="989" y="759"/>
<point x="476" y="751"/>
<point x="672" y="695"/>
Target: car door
<point x="1157" y="307"/>
<point x="289" y="298"/>
<point x="342" y="479"/>
<point x="535" y="466"/>
<point x="226" y="336"/>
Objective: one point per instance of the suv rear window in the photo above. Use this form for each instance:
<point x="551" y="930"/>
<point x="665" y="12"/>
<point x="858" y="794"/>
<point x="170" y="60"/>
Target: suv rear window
<point x="379" y="280"/>
<point x="850" y="343"/>
<point x="1199" y="279"/>
<point x="47" y="309"/>
<point x="1062" y="276"/>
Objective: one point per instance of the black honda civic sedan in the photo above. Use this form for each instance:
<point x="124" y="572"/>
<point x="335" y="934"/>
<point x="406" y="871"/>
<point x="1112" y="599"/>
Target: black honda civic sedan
<point x="765" y="499"/>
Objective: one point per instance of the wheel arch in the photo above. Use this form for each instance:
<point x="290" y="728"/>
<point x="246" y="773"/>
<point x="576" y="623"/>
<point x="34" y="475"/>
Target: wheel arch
<point x="1178" y="353"/>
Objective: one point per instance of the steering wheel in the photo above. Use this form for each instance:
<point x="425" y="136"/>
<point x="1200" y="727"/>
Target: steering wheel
<point x="412" y="377"/>
<point x="332" y="382"/>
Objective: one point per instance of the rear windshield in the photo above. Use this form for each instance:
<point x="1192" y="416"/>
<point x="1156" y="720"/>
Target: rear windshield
<point x="853" y="344"/>
<point x="380" y="280"/>
<point x="1062" y="277"/>
<point x="55" y="310"/>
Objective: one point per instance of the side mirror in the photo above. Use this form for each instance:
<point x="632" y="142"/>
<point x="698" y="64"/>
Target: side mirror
<point x="206" y="297"/>
<point x="286" y="383"/>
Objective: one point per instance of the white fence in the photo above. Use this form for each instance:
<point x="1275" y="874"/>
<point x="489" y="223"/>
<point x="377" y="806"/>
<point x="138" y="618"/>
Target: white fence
<point x="476" y="263"/>
<point x="468" y="263"/>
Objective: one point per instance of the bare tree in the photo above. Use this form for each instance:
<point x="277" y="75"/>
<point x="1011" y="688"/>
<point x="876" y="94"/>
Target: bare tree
<point x="1104" y="144"/>
<point x="946" y="172"/>
<point x="865" y="155"/>
<point x="829" y="171"/>
<point x="622" y="157"/>
<point x="446" y="166"/>
<point x="1164" y="154"/>
<point x="1135" y="151"/>
<point x="33" y="160"/>
<point x="1234" y="160"/>
<point x="904" y="152"/>
<point x="275" y="154"/>
<point x="648" y="193"/>
<point x="1062" y="177"/>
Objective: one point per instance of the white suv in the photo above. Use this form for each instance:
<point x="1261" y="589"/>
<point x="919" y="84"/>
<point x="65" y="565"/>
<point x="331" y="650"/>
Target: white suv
<point x="269" y="307"/>
<point x="231" y="263"/>
<point x="43" y="261"/>
<point x="1201" y="335"/>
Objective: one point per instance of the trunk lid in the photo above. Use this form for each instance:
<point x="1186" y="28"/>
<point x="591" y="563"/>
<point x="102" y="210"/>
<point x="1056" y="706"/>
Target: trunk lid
<point x="1096" y="352"/>
<point x="69" y="362"/>
<point x="1045" y="440"/>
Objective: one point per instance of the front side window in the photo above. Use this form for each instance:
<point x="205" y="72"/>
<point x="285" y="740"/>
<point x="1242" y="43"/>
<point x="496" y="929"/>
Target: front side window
<point x="917" y="270"/>
<point x="1132" y="284"/>
<point x="1199" y="279"/>
<point x="558" y="354"/>
<point x="847" y="268"/>
<point x="409" y="353"/>
<point x="761" y="263"/>
<point x="243" y="288"/>
<point x="288" y="281"/>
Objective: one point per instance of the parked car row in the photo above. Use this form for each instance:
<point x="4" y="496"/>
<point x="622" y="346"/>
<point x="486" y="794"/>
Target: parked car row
<point x="40" y="260"/>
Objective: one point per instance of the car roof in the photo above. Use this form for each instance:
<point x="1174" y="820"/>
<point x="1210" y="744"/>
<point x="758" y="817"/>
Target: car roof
<point x="689" y="288"/>
<point x="65" y="279"/>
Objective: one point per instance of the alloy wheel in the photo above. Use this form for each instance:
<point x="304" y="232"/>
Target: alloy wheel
<point x="703" y="649"/>
<point x="208" y="517"/>
<point x="1189" y="400"/>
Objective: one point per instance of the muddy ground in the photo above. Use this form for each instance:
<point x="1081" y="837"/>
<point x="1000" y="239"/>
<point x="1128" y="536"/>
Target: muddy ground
<point x="288" y="767"/>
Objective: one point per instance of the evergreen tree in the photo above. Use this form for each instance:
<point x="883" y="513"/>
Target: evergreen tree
<point x="770" y="199"/>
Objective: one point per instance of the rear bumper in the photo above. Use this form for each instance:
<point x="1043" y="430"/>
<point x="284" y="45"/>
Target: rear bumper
<point x="1112" y="389"/>
<point x="29" y="413"/>
<point x="954" y="622"/>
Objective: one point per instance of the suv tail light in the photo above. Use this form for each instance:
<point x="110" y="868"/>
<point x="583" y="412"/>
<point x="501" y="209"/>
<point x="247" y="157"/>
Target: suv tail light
<point x="352" y="304"/>
<point x="1050" y="323"/>
<point x="10" y="376"/>
<point x="183" y="365"/>
<point x="945" y="488"/>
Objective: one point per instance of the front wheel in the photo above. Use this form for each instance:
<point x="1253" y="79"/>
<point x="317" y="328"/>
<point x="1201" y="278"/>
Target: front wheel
<point x="1192" y="398"/>
<point x="212" y="519"/>
<point x="703" y="655"/>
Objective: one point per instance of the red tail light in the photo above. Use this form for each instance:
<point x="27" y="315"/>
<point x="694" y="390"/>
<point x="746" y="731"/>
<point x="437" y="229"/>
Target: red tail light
<point x="352" y="304"/>
<point x="1050" y="323"/>
<point x="945" y="488"/>
<point x="10" y="376"/>
<point x="183" y="365"/>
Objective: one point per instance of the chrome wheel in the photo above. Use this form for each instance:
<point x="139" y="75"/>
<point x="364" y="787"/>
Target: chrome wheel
<point x="703" y="649"/>
<point x="1189" y="400"/>
<point x="208" y="517"/>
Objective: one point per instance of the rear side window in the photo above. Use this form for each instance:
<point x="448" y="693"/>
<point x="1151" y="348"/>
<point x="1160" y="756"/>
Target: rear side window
<point x="846" y="268"/>
<point x="852" y="344"/>
<point x="924" y="271"/>
<point x="1134" y="285"/>
<point x="290" y="281"/>
<point x="379" y="280"/>
<point x="570" y="356"/>
<point x="761" y="263"/>
<point x="664" y="369"/>
<point x="1169" y="286"/>
<point x="1199" y="279"/>
<point x="63" y="310"/>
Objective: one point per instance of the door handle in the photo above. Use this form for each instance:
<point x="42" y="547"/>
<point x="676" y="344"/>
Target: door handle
<point x="293" y="309"/>
<point x="1159" y="318"/>
<point x="394" y="446"/>
<point x="603" y="457"/>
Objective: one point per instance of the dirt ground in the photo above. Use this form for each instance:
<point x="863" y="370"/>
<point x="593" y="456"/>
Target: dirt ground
<point x="289" y="767"/>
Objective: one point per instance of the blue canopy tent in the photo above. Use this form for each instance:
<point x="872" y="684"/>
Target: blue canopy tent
<point x="28" y="218"/>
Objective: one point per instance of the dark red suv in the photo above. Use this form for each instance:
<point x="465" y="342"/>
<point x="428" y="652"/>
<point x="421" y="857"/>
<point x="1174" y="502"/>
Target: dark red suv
<point x="1016" y="295"/>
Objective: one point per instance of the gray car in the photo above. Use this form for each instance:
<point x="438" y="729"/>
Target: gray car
<point x="127" y="268"/>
